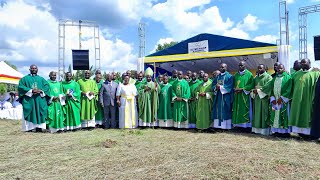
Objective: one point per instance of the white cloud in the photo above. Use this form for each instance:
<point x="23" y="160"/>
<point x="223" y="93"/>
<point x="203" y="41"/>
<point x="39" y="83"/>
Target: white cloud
<point x="266" y="39"/>
<point x="290" y="1"/>
<point x="184" y="19"/>
<point x="161" y="41"/>
<point x="181" y="22"/>
<point x="32" y="37"/>
<point x="249" y="23"/>
<point x="238" y="33"/>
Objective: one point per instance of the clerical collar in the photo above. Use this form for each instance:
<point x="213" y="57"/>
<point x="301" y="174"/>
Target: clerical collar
<point x="33" y="74"/>
<point x="306" y="70"/>
<point x="180" y="79"/>
<point x="242" y="72"/>
<point x="194" y="81"/>
<point x="223" y="73"/>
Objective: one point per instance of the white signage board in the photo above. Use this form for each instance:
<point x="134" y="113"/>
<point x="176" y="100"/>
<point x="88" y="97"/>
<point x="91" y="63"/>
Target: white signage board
<point x="200" y="46"/>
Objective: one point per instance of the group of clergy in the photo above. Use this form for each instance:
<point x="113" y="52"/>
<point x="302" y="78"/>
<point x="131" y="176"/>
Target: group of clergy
<point x="280" y="103"/>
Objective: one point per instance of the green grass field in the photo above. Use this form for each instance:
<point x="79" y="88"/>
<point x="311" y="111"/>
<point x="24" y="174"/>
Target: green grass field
<point x="153" y="154"/>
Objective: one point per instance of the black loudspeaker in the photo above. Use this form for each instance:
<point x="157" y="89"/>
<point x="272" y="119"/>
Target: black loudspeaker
<point x="80" y="59"/>
<point x="316" y="48"/>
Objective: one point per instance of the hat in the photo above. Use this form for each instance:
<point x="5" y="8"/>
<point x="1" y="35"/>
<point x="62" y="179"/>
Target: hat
<point x="148" y="72"/>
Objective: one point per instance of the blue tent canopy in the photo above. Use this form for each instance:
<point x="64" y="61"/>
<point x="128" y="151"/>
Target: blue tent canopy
<point x="216" y="43"/>
<point x="221" y="49"/>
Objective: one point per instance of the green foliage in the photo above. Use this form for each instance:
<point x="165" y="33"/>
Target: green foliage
<point x="3" y="88"/>
<point x="79" y="74"/>
<point x="11" y="65"/>
<point x="161" y="47"/>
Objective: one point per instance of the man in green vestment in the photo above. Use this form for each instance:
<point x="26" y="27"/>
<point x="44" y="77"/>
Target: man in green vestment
<point x="243" y="84"/>
<point x="89" y="96"/>
<point x="279" y="90"/>
<point x="71" y="90"/>
<point x="56" y="116"/>
<point x="148" y="101"/>
<point x="99" y="117"/>
<point x="160" y="79"/>
<point x="174" y="76"/>
<point x="165" y="108"/>
<point x="275" y="68"/>
<point x="204" y="103"/>
<point x="296" y="67"/>
<point x="98" y="71"/>
<point x="304" y="82"/>
<point x="131" y="80"/>
<point x="180" y="97"/>
<point x="187" y="78"/>
<point x="260" y="120"/>
<point x="193" y="84"/>
<point x="139" y="81"/>
<point x="189" y="74"/>
<point x="201" y="75"/>
<point x="34" y="94"/>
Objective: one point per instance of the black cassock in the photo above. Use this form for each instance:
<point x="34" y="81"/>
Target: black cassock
<point x="315" y="123"/>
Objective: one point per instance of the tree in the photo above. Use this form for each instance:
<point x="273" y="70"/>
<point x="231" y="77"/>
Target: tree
<point x="161" y="47"/>
<point x="11" y="65"/>
<point x="3" y="88"/>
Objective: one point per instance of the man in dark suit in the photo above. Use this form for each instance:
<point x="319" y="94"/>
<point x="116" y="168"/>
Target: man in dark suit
<point x="107" y="101"/>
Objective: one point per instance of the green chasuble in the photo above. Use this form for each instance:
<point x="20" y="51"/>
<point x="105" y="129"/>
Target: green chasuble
<point x="241" y="103"/>
<point x="302" y="99"/>
<point x="72" y="106"/>
<point x="55" y="113"/>
<point x="279" y="87"/>
<point x="148" y="104"/>
<point x="165" y="98"/>
<point x="35" y="107"/>
<point x="139" y="83"/>
<point x="132" y="81"/>
<point x="204" y="105"/>
<point x="117" y="81"/>
<point x="260" y="105"/>
<point x="88" y="107"/>
<point x="99" y="115"/>
<point x="172" y="80"/>
<point x="180" y="108"/>
<point x="192" y="104"/>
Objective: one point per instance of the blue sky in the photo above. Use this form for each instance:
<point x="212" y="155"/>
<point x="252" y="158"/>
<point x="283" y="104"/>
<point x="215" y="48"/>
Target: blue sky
<point x="29" y="27"/>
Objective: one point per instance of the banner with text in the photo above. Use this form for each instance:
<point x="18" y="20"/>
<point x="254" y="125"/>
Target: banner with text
<point x="200" y="46"/>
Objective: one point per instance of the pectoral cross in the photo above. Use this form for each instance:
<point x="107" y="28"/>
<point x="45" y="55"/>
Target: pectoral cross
<point x="35" y="85"/>
<point x="164" y="93"/>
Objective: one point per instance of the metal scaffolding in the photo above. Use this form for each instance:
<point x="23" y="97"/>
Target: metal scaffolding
<point x="63" y="23"/>
<point x="284" y="23"/>
<point x="142" y="39"/>
<point x="303" y="33"/>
